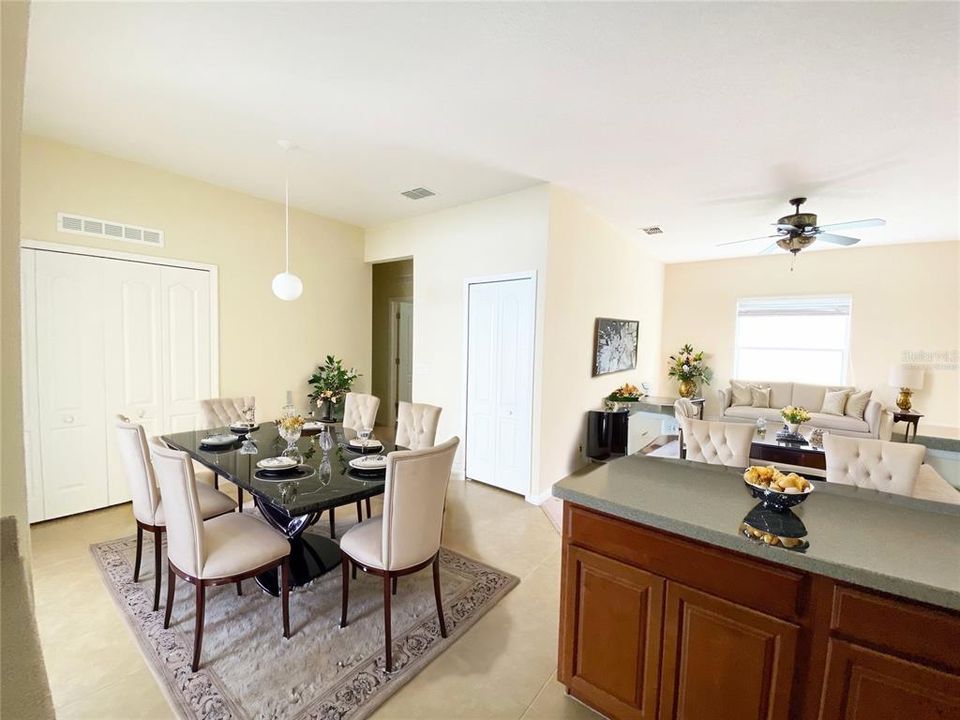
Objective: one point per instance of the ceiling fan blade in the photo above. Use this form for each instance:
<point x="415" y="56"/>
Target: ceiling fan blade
<point x="737" y="242"/>
<point x="837" y="239"/>
<point x="870" y="222"/>
<point x="770" y="250"/>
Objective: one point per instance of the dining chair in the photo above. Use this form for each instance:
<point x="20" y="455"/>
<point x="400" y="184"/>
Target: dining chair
<point x="223" y="412"/>
<point x="890" y="467"/>
<point x="223" y="550"/>
<point x="148" y="506"/>
<point x="717" y="443"/>
<point x="406" y="538"/>
<point x="683" y="409"/>
<point x="417" y="425"/>
<point x="359" y="411"/>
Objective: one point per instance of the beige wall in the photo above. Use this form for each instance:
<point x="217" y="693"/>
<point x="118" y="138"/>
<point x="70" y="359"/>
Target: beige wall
<point x="593" y="270"/>
<point x="504" y="234"/>
<point x="391" y="281"/>
<point x="905" y="299"/>
<point x="243" y="237"/>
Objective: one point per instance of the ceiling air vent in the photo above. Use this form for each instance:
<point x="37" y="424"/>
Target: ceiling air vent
<point x="418" y="193"/>
<point x="653" y="230"/>
<point x="108" y="230"/>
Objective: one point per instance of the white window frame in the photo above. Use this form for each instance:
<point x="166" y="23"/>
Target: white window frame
<point x="846" y="365"/>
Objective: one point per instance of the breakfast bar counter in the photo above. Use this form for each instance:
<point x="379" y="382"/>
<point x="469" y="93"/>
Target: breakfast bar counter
<point x="683" y="598"/>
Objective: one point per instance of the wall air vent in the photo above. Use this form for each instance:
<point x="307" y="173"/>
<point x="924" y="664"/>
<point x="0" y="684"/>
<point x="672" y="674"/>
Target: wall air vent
<point x="653" y="230"/>
<point x="108" y="229"/>
<point x="418" y="193"/>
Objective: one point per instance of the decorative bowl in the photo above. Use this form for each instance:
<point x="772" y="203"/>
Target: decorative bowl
<point x="776" y="499"/>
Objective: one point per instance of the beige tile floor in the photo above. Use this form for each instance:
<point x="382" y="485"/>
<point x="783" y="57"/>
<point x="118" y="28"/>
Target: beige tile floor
<point x="504" y="667"/>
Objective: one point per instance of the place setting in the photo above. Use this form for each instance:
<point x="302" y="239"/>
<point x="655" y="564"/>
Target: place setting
<point x="220" y="442"/>
<point x="281" y="469"/>
<point x="364" y="442"/>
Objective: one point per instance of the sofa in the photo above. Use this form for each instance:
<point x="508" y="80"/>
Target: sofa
<point x="809" y="397"/>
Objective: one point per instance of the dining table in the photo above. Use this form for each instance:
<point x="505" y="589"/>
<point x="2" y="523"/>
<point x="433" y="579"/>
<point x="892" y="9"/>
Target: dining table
<point x="324" y="481"/>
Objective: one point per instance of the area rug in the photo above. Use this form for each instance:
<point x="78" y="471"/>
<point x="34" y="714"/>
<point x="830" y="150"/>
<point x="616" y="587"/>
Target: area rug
<point x="323" y="672"/>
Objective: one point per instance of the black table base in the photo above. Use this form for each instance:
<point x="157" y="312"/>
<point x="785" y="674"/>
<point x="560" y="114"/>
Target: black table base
<point x="310" y="555"/>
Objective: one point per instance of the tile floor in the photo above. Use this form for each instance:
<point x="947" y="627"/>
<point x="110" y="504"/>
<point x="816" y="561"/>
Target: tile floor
<point x="504" y="667"/>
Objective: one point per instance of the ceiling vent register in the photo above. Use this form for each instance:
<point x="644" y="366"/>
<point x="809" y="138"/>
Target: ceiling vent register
<point x="109" y="230"/>
<point x="418" y="193"/>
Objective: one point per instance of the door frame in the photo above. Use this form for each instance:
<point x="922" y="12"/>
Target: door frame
<point x="70" y="249"/>
<point x="392" y="390"/>
<point x="531" y="275"/>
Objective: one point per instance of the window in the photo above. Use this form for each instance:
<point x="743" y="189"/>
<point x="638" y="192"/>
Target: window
<point x="803" y="339"/>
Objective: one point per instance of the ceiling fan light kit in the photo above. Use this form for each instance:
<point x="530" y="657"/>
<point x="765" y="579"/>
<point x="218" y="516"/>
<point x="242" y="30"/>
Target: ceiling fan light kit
<point x="286" y="285"/>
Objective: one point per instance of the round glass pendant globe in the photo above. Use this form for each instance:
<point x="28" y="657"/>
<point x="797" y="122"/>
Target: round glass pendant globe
<point x="287" y="286"/>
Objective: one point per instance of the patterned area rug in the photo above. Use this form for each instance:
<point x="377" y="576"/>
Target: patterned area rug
<point x="323" y="672"/>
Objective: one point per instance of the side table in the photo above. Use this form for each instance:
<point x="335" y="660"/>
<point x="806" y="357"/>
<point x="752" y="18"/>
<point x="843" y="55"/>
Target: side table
<point x="910" y="417"/>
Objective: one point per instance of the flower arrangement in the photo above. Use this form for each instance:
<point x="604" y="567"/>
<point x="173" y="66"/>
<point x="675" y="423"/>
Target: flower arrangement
<point x="292" y="423"/>
<point x="625" y="393"/>
<point x="331" y="381"/>
<point x="794" y="415"/>
<point x="688" y="367"/>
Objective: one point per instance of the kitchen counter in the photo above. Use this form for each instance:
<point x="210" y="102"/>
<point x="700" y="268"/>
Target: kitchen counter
<point x="898" y="545"/>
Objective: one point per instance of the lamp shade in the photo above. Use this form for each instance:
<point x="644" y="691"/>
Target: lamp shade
<point x="906" y="376"/>
<point x="287" y="286"/>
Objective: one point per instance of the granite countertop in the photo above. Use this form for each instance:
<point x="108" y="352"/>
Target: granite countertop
<point x="889" y="543"/>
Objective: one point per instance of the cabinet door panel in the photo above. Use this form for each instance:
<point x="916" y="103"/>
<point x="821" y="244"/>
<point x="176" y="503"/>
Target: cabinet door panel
<point x="862" y="684"/>
<point x="613" y="620"/>
<point x="722" y="660"/>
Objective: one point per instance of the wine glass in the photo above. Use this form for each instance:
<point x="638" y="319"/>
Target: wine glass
<point x="365" y="433"/>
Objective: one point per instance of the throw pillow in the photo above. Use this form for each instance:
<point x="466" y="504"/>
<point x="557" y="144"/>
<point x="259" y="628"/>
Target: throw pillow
<point x="834" y="402"/>
<point x="760" y="396"/>
<point x="857" y="404"/>
<point x="740" y="393"/>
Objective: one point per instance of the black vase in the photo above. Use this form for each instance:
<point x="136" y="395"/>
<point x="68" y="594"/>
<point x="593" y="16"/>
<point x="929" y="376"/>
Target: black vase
<point x="326" y="411"/>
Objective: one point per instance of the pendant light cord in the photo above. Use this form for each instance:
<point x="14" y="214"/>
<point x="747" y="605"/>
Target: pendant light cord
<point x="286" y="206"/>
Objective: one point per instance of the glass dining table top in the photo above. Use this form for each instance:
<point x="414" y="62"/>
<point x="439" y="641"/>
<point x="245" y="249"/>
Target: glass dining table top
<point x="327" y="484"/>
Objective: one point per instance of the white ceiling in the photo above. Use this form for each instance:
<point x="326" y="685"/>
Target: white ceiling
<point x="702" y="118"/>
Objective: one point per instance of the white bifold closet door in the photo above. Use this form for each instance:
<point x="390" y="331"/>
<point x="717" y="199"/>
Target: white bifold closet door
<point x="500" y="339"/>
<point x="109" y="337"/>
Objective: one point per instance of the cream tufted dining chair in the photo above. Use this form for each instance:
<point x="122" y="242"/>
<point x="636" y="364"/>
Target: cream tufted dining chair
<point x="221" y="412"/>
<point x="148" y="508"/>
<point x="224" y="550"/>
<point x="360" y="410"/>
<point x="717" y="443"/>
<point x="406" y="538"/>
<point x="417" y="425"/>
<point x="683" y="409"/>
<point x="890" y="467"/>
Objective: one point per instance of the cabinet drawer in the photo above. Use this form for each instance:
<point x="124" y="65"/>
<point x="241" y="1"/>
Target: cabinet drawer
<point x="770" y="589"/>
<point x="908" y="629"/>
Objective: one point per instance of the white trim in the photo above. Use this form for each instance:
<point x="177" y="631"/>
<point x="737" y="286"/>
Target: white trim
<point x="393" y="338"/>
<point x="68" y="249"/>
<point x="465" y="347"/>
<point x="541" y="498"/>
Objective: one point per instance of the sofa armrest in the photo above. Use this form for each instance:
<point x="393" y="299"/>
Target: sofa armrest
<point x="873" y="414"/>
<point x="724" y="394"/>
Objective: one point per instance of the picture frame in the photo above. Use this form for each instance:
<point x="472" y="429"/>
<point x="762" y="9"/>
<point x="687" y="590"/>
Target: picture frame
<point x="615" y="343"/>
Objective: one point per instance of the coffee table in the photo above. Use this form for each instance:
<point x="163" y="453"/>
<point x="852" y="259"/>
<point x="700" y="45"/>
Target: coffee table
<point x="768" y="448"/>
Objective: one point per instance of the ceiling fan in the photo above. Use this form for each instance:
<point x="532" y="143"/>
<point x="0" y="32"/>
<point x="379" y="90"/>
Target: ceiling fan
<point x="798" y="231"/>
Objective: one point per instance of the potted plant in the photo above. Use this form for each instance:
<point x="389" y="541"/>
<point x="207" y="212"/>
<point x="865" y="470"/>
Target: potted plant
<point x="688" y="367"/>
<point x="331" y="382"/>
<point x="793" y="416"/>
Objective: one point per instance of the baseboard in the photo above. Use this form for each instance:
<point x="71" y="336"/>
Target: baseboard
<point x="541" y="498"/>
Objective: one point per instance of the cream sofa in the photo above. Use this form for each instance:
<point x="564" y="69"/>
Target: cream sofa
<point x="809" y="397"/>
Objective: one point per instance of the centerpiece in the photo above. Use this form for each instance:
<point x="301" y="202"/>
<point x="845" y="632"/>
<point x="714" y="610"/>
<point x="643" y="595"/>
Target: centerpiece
<point x="623" y="394"/>
<point x="688" y="367"/>
<point x="793" y="416"/>
<point x="331" y="382"/>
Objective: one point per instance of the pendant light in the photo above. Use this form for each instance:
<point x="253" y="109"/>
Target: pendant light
<point x="286" y="285"/>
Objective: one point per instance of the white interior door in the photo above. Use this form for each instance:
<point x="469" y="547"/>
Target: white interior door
<point x="500" y="341"/>
<point x="70" y="372"/>
<point x="405" y="351"/>
<point x="31" y="400"/>
<point x="133" y="357"/>
<point x="187" y="345"/>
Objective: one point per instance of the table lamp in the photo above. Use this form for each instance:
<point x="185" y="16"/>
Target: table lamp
<point x="908" y="378"/>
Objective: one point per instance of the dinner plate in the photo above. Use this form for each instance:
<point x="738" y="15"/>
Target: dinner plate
<point x="219" y="440"/>
<point x="297" y="472"/>
<point x="277" y="463"/>
<point x="313" y="425"/>
<point x="364" y="445"/>
<point x="369" y="463"/>
<point x="244" y="427"/>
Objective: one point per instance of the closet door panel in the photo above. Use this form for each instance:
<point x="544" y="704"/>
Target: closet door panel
<point x="133" y="357"/>
<point x="187" y="346"/>
<point x="31" y="402"/>
<point x="70" y="373"/>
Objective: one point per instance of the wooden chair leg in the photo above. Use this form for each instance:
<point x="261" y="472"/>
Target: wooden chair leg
<point x="157" y="563"/>
<point x="333" y="526"/>
<point x="395" y="584"/>
<point x="239" y="499"/>
<point x="368" y="507"/>
<point x="136" y="565"/>
<point x="285" y="595"/>
<point x="216" y="481"/>
<point x="239" y="588"/>
<point x="353" y="572"/>
<point x="171" y="588"/>
<point x="345" y="585"/>
<point x="388" y="640"/>
<point x="359" y="512"/>
<point x="436" y="595"/>
<point x="198" y="632"/>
